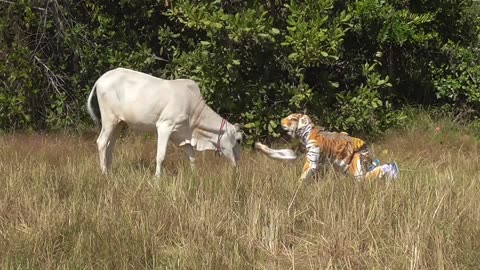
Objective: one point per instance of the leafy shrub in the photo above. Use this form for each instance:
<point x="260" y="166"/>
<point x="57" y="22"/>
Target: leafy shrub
<point x="457" y="81"/>
<point x="253" y="67"/>
<point x="254" y="61"/>
<point x="365" y="109"/>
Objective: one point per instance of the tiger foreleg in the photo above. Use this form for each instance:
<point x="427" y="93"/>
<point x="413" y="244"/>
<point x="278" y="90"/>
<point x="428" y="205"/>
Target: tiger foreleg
<point x="310" y="166"/>
<point x="355" y="167"/>
<point x="307" y="171"/>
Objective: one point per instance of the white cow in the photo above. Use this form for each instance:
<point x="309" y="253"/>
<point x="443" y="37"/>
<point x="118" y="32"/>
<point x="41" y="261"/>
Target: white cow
<point x="174" y="109"/>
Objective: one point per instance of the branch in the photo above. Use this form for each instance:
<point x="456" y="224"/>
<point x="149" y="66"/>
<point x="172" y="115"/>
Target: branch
<point x="39" y="41"/>
<point x="12" y="3"/>
<point x="471" y="77"/>
<point x="159" y="58"/>
<point x="55" y="81"/>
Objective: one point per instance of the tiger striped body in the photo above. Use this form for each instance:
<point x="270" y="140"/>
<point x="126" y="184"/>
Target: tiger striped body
<point x="348" y="154"/>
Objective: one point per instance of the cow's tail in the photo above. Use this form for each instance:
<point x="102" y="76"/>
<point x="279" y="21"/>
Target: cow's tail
<point x="92" y="106"/>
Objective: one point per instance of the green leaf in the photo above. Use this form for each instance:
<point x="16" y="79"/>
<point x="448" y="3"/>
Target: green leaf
<point x="275" y="31"/>
<point x="249" y="125"/>
<point x="350" y="119"/>
<point x="293" y="56"/>
<point x="273" y="124"/>
<point x="249" y="116"/>
<point x="334" y="84"/>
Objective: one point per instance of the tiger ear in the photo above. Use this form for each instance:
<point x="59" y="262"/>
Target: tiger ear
<point x="304" y="121"/>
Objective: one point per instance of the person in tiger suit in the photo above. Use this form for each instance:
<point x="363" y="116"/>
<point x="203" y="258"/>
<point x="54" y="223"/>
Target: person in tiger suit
<point x="348" y="154"/>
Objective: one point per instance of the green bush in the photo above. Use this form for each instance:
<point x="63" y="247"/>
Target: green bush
<point x="457" y="80"/>
<point x="352" y="65"/>
<point x="365" y="109"/>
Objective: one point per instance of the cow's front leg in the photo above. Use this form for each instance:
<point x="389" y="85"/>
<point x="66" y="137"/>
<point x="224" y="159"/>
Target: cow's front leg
<point x="164" y="129"/>
<point x="188" y="150"/>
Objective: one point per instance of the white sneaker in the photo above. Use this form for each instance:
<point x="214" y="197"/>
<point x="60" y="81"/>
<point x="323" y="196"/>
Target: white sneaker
<point x="391" y="170"/>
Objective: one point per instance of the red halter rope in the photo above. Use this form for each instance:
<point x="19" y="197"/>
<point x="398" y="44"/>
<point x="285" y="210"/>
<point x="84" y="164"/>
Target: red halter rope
<point x="220" y="134"/>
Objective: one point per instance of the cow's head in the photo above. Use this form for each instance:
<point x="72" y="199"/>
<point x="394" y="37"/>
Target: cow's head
<point x="231" y="143"/>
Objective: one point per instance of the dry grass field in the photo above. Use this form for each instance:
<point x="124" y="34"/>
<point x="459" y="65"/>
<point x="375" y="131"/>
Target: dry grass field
<point x="58" y="212"/>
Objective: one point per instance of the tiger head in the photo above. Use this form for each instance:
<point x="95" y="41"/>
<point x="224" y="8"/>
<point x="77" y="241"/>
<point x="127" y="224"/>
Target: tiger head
<point x="295" y="122"/>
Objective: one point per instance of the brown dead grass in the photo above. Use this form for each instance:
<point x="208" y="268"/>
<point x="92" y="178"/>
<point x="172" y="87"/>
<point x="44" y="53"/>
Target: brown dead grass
<point x="58" y="211"/>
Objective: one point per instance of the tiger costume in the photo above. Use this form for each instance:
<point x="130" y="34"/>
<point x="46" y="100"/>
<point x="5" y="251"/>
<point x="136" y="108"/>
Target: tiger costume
<point x="348" y="154"/>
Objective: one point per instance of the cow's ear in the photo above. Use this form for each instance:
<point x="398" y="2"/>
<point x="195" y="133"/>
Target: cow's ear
<point x="238" y="127"/>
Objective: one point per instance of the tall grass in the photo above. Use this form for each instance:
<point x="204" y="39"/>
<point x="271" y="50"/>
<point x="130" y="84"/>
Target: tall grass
<point x="58" y="211"/>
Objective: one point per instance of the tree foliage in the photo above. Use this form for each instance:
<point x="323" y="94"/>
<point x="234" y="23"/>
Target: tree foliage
<point x="350" y="64"/>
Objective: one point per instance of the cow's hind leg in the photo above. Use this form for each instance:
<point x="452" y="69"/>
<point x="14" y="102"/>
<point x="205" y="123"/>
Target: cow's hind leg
<point x="105" y="143"/>
<point x="164" y="130"/>
<point x="111" y="144"/>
